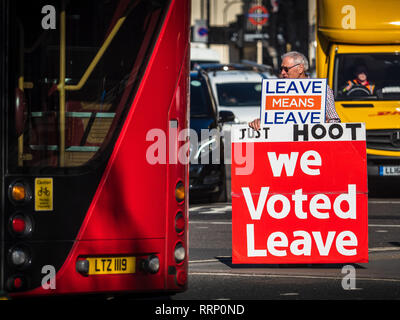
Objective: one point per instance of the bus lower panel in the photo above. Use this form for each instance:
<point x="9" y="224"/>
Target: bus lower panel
<point x="69" y="281"/>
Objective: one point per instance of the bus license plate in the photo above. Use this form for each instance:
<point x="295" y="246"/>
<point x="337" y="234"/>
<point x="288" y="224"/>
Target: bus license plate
<point x="389" y="171"/>
<point x="112" y="265"/>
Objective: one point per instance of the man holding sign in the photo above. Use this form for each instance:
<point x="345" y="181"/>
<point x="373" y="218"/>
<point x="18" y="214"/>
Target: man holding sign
<point x="294" y="66"/>
<point x="300" y="193"/>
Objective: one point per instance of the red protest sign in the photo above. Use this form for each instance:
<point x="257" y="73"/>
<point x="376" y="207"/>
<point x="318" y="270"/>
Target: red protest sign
<point x="299" y="194"/>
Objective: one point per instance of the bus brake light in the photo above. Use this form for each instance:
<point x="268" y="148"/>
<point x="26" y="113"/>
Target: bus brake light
<point x="18" y="224"/>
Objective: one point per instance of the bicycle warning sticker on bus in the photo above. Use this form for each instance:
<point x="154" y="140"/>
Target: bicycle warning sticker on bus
<point x="44" y="194"/>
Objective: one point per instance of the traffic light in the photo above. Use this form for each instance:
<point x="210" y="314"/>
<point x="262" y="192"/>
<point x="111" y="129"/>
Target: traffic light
<point x="218" y="35"/>
<point x="236" y="31"/>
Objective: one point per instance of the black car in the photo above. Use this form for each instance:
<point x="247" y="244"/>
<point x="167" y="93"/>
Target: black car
<point x="207" y="169"/>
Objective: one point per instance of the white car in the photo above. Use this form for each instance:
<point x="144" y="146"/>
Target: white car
<point x="238" y="89"/>
<point x="199" y="54"/>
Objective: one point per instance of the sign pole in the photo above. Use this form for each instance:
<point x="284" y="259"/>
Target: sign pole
<point x="259" y="42"/>
<point x="258" y="16"/>
<point x="259" y="47"/>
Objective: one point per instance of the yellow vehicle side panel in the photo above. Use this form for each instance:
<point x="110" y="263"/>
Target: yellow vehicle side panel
<point x="383" y="115"/>
<point x="373" y="21"/>
<point x="375" y="28"/>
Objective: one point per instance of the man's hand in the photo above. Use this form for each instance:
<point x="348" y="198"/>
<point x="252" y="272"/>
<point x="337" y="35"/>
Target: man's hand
<point x="255" y="124"/>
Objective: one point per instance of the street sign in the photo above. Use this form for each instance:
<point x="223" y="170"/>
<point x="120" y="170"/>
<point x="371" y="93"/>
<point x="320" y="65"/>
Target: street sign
<point x="299" y="194"/>
<point x="258" y="15"/>
<point x="43" y="194"/>
<point x="200" y="31"/>
<point x="250" y="37"/>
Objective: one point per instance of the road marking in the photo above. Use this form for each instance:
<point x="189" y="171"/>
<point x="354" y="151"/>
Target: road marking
<point x="210" y="222"/>
<point x="219" y="259"/>
<point x="216" y="208"/>
<point x="230" y="222"/>
<point x="204" y="261"/>
<point x="250" y="275"/>
<point x="385" y="225"/>
<point x="289" y="294"/>
<point x="221" y="208"/>
<point x="382" y="249"/>
<point x="211" y="209"/>
<point x="384" y="201"/>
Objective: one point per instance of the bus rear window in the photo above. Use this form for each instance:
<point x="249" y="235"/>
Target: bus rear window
<point x="77" y="87"/>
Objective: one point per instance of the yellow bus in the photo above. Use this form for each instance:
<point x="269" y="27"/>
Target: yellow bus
<point x="356" y="37"/>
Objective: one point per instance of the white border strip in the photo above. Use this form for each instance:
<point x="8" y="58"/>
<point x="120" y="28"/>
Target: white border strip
<point x="300" y="132"/>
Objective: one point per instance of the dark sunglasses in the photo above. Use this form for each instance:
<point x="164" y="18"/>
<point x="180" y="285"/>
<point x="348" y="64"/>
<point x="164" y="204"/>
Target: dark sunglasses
<point x="286" y="69"/>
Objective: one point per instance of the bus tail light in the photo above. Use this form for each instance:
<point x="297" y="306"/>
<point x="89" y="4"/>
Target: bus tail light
<point x="179" y="223"/>
<point x="19" y="257"/>
<point x="15" y="283"/>
<point x="151" y="264"/>
<point x="18" y="224"/>
<point x="19" y="192"/>
<point x="180" y="191"/>
<point x="179" y="253"/>
<point x="21" y="224"/>
<point x="181" y="277"/>
<point x="82" y="266"/>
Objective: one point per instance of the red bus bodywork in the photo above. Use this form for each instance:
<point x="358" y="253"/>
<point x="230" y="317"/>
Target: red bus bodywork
<point x="134" y="208"/>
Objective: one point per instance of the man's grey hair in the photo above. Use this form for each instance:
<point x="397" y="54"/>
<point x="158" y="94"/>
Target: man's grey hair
<point x="297" y="58"/>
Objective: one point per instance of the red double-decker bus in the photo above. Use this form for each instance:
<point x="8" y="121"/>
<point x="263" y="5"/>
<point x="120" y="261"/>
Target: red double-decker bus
<point x="82" y="209"/>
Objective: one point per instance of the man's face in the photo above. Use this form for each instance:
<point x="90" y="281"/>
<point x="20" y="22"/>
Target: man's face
<point x="290" y="69"/>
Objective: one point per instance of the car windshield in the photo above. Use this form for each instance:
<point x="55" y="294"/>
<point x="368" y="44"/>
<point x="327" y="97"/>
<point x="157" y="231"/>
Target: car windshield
<point x="200" y="102"/>
<point x="381" y="79"/>
<point x="239" y="94"/>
